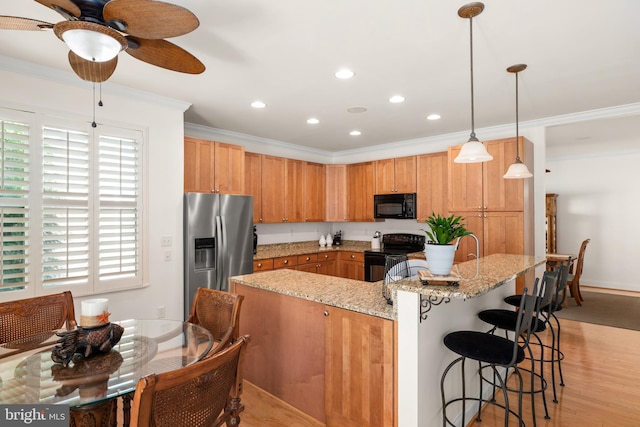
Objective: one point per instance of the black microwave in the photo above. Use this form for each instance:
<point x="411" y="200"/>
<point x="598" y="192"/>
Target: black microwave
<point x="396" y="206"/>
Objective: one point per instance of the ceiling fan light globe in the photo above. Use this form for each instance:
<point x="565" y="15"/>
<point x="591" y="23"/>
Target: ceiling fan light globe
<point x="92" y="45"/>
<point x="473" y="151"/>
<point x="518" y="170"/>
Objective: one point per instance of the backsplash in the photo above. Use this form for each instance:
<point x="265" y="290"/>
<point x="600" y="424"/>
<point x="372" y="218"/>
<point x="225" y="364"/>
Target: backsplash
<point x="311" y="231"/>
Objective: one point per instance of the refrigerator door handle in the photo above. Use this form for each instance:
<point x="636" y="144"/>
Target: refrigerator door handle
<point x="220" y="251"/>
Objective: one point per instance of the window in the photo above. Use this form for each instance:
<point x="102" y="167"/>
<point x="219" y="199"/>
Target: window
<point x="74" y="221"/>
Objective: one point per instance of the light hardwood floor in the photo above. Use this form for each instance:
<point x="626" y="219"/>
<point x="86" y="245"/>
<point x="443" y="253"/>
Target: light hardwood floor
<point x="601" y="373"/>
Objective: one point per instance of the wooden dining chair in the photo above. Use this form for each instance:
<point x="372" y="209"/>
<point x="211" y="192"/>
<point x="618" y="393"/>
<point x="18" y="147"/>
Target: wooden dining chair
<point x="28" y="317"/>
<point x="573" y="279"/>
<point x="206" y="393"/>
<point x="219" y="313"/>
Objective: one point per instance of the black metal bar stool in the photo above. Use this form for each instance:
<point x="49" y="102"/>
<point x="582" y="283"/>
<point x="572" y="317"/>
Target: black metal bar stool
<point x="547" y="311"/>
<point x="494" y="352"/>
<point x="507" y="320"/>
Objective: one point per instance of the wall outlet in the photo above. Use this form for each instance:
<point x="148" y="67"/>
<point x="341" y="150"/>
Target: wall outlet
<point x="166" y="241"/>
<point x="161" y="312"/>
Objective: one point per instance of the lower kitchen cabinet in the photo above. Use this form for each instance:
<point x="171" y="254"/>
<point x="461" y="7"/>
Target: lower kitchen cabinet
<point x="335" y="365"/>
<point x="351" y="265"/>
<point x="359" y="369"/>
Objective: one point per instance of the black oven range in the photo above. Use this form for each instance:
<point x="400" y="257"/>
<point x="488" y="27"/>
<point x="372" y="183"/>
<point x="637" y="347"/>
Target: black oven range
<point x="392" y="244"/>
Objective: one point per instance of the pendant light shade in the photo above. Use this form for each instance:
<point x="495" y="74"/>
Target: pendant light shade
<point x="517" y="170"/>
<point x="473" y="151"/>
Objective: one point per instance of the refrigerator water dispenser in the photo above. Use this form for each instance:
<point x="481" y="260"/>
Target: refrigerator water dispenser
<point x="205" y="253"/>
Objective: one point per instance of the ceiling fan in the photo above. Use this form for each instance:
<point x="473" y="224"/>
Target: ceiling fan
<point x="96" y="31"/>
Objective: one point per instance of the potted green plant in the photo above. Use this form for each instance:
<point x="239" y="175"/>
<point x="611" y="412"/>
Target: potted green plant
<point x="440" y="248"/>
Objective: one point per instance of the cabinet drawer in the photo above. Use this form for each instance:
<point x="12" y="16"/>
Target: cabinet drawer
<point x="352" y="256"/>
<point x="262" y="265"/>
<point x="285" y="262"/>
<point x="307" y="258"/>
<point x="326" y="256"/>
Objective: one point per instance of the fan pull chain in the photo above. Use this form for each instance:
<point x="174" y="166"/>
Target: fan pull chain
<point x="100" y="101"/>
<point x="93" y="123"/>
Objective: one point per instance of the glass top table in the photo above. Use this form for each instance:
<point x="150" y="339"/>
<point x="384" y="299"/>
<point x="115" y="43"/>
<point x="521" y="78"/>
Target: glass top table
<point x="29" y="376"/>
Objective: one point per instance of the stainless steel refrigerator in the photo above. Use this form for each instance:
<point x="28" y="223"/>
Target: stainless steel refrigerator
<point x="218" y="241"/>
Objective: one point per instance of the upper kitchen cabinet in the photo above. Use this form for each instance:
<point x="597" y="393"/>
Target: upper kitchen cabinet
<point x="431" y="185"/>
<point x="360" y="191"/>
<point x="396" y="175"/>
<point x="273" y="189"/>
<point x="336" y="193"/>
<point x="213" y="167"/>
<point x="253" y="183"/>
<point x="314" y="180"/>
<point x="480" y="187"/>
<point x="278" y="187"/>
<point x="294" y="194"/>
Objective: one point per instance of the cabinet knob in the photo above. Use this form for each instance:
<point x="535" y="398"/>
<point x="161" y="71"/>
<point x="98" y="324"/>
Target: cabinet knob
<point x="308" y="259"/>
<point x="326" y="313"/>
<point x="353" y="256"/>
<point x="326" y="256"/>
<point x="286" y="261"/>
<point x="259" y="265"/>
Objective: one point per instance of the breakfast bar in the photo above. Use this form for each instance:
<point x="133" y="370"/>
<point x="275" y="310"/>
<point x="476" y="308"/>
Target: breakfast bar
<point x="324" y="343"/>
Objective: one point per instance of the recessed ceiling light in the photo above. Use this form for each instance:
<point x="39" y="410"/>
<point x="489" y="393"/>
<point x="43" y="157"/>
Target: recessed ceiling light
<point x="355" y="133"/>
<point x="344" y="74"/>
<point x="396" y="99"/>
<point x="258" y="104"/>
<point x="433" y="117"/>
<point x="313" y="121"/>
<point x="356" y="109"/>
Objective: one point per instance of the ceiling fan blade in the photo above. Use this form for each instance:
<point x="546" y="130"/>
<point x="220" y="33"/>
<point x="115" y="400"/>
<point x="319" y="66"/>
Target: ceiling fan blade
<point x="164" y="54"/>
<point x="17" y="23"/>
<point x="91" y="71"/>
<point x="62" y="6"/>
<point x="149" y="19"/>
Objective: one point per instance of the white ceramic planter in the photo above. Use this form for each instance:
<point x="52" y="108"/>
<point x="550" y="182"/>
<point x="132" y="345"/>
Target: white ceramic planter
<point x="440" y="258"/>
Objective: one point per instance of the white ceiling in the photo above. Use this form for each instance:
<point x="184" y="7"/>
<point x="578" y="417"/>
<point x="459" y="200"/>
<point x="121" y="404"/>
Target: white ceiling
<point x="581" y="56"/>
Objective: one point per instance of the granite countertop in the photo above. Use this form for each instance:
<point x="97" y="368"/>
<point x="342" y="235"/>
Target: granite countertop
<point x="478" y="278"/>
<point x="354" y="295"/>
<point x="300" y="248"/>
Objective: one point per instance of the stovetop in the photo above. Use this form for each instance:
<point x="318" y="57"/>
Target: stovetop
<point x="400" y="243"/>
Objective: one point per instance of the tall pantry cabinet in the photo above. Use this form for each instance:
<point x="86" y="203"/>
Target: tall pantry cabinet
<point x="498" y="211"/>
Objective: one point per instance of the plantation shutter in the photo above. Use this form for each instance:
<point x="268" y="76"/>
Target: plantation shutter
<point x="14" y="205"/>
<point x="120" y="205"/>
<point x="65" y="208"/>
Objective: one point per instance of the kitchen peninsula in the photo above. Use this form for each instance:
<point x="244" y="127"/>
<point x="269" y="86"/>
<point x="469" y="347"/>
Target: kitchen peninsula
<point x="333" y="348"/>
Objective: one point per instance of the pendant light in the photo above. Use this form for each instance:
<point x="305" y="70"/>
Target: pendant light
<point x="518" y="169"/>
<point x="473" y="151"/>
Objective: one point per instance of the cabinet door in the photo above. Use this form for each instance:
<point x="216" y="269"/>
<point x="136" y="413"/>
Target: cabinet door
<point x="198" y="165"/>
<point x="294" y="196"/>
<point x="464" y="184"/>
<point x="473" y="221"/>
<point x="336" y="191"/>
<point x="359" y="369"/>
<point x="385" y="176"/>
<point x="502" y="194"/>
<point x="253" y="183"/>
<point x="431" y="185"/>
<point x="405" y="174"/>
<point x="360" y="181"/>
<point x="504" y="233"/>
<point x="286" y="356"/>
<point x="351" y="265"/>
<point x="229" y="168"/>
<point x="272" y="189"/>
<point x="314" y="192"/>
